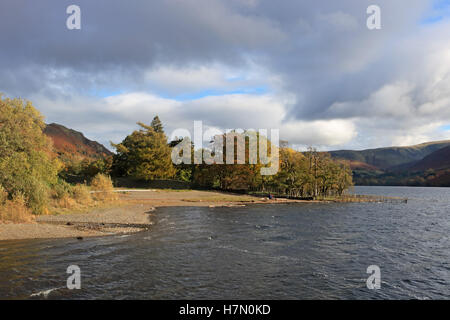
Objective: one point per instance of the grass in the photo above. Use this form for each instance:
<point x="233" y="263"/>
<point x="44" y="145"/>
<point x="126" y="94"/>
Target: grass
<point x="80" y="198"/>
<point x="15" y="211"/>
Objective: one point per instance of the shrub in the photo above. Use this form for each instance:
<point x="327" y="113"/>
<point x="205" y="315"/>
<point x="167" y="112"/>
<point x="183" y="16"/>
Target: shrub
<point x="3" y="195"/>
<point x="66" y="202"/>
<point x="36" y="195"/>
<point x="82" y="194"/>
<point x="61" y="190"/>
<point x="103" y="188"/>
<point x="16" y="210"/>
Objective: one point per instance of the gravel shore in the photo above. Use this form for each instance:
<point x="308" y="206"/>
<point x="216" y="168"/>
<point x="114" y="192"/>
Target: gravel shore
<point x="132" y="215"/>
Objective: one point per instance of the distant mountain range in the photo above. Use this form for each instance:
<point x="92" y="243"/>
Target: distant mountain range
<point x="426" y="164"/>
<point x="73" y="145"/>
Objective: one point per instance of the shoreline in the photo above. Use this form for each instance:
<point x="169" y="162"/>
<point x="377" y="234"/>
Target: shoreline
<point x="133" y="213"/>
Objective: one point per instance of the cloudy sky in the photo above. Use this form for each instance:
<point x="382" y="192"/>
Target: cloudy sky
<point x="310" y="68"/>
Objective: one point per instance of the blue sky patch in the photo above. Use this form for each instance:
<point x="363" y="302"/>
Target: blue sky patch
<point x="215" y="93"/>
<point x="104" y="93"/>
<point x="439" y="11"/>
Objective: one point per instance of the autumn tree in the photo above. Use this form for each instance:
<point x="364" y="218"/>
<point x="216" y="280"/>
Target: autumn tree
<point x="27" y="167"/>
<point x="309" y="174"/>
<point x="144" y="154"/>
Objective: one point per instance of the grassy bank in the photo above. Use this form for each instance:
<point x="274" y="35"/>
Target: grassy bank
<point x="63" y="198"/>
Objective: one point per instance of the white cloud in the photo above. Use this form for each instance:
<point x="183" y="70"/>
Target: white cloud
<point x="176" y="80"/>
<point x="319" y="133"/>
<point x="120" y="113"/>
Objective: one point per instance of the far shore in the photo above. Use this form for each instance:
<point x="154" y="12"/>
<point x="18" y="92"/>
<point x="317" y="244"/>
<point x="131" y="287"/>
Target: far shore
<point x="133" y="213"/>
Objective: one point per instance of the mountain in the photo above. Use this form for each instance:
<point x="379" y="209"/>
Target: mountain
<point x="434" y="169"/>
<point x="390" y="157"/>
<point x="73" y="145"/>
<point x="438" y="160"/>
<point x="426" y="164"/>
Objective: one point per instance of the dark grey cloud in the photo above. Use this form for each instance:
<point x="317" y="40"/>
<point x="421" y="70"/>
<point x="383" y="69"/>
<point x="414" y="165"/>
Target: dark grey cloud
<point x="317" y="56"/>
<point x="124" y="37"/>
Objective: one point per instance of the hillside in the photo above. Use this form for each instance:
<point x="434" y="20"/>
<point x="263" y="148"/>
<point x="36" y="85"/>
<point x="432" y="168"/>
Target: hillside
<point x="434" y="169"/>
<point x="426" y="164"/>
<point x="437" y="160"/>
<point x="385" y="158"/>
<point x="73" y="145"/>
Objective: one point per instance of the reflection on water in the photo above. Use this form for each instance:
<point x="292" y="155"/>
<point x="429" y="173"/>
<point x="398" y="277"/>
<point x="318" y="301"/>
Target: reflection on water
<point x="302" y="251"/>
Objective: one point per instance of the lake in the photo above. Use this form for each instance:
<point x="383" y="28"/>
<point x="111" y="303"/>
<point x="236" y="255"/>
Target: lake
<point x="279" y="251"/>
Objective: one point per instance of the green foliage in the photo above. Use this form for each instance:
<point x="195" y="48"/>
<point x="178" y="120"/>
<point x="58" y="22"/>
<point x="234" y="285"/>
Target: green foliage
<point x="86" y="169"/>
<point x="61" y="189"/>
<point x="3" y="195"/>
<point x="183" y="174"/>
<point x="145" y="154"/>
<point x="26" y="165"/>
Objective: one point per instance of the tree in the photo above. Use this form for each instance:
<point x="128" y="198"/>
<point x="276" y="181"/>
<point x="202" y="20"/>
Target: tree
<point x="145" y="154"/>
<point x="309" y="174"/>
<point x="157" y="125"/>
<point x="27" y="166"/>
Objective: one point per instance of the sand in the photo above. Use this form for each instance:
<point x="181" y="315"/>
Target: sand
<point x="133" y="213"/>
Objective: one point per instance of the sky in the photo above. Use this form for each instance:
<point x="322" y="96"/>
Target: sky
<point x="311" y="69"/>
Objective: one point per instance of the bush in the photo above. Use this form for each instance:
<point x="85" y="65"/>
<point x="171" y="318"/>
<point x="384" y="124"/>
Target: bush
<point x="82" y="194"/>
<point x="36" y="195"/>
<point x="103" y="188"/>
<point x="65" y="202"/>
<point x="61" y="190"/>
<point x="3" y="195"/>
<point x="16" y="210"/>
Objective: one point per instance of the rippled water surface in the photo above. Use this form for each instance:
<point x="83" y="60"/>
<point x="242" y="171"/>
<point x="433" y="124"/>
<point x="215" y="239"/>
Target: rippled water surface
<point x="301" y="251"/>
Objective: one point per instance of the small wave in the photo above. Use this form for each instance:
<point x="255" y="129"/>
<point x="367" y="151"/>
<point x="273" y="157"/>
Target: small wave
<point x="235" y="249"/>
<point x="262" y="227"/>
<point x="45" y="293"/>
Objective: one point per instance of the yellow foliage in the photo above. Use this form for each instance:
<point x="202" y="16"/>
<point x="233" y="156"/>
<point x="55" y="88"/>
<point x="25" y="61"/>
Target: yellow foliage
<point x="66" y="202"/>
<point x="103" y="189"/>
<point x="15" y="210"/>
<point x="81" y="194"/>
<point x="26" y="163"/>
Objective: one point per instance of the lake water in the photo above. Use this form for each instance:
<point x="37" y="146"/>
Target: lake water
<point x="293" y="251"/>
